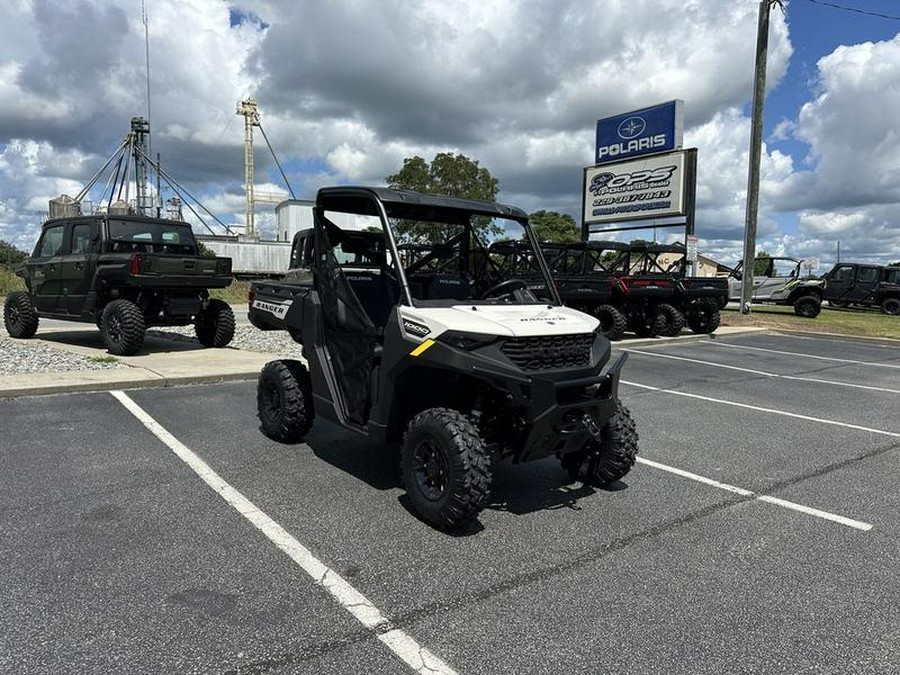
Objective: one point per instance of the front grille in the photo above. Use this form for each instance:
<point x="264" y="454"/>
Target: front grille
<point x="546" y="352"/>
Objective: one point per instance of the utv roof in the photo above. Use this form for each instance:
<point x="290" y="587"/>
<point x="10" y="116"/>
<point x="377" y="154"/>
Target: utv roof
<point x="87" y="218"/>
<point x="409" y="204"/>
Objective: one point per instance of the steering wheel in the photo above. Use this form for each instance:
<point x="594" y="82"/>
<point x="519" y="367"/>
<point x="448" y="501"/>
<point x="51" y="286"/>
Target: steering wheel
<point x="504" y="288"/>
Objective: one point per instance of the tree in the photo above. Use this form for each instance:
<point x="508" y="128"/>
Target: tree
<point x="447" y="174"/>
<point x="761" y="264"/>
<point x="557" y="228"/>
<point x="10" y="255"/>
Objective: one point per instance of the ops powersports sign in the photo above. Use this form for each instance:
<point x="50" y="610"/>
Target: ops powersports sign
<point x="640" y="132"/>
<point x="649" y="187"/>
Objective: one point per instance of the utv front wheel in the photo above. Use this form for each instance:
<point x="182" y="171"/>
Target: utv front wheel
<point x="446" y="469"/>
<point x="808" y="307"/>
<point x="215" y="324"/>
<point x="19" y="315"/>
<point x="122" y="327"/>
<point x="607" y="461"/>
<point x="284" y="401"/>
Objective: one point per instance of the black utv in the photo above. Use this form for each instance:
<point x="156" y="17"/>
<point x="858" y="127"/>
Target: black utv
<point x="413" y="335"/>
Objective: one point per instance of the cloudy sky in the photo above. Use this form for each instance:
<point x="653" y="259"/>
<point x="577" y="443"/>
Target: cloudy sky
<point x="348" y="88"/>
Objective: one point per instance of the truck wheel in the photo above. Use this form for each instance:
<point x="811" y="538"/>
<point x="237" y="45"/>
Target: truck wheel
<point x="612" y="322"/>
<point x="704" y="317"/>
<point x="284" y="402"/>
<point x="19" y="315"/>
<point x="215" y="324"/>
<point x="122" y="327"/>
<point x="808" y="306"/>
<point x="674" y="320"/>
<point x="600" y="464"/>
<point x="446" y="468"/>
<point x="890" y="306"/>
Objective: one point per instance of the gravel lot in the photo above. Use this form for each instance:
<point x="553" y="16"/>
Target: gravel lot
<point x="32" y="356"/>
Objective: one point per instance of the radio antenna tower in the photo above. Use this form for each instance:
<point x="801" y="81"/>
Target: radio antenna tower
<point x="249" y="109"/>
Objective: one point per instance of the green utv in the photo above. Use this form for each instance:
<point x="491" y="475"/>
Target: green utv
<point x="122" y="273"/>
<point x="412" y="335"/>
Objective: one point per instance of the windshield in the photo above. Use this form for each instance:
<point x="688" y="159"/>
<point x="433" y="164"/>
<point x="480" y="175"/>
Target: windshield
<point x="474" y="260"/>
<point x="151" y="237"/>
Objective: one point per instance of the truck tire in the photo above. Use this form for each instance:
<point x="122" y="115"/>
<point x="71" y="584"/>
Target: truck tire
<point x="808" y="306"/>
<point x="674" y="320"/>
<point x="602" y="463"/>
<point x="612" y="322"/>
<point x="284" y="402"/>
<point x="215" y="324"/>
<point x="19" y="315"/>
<point x="890" y="306"/>
<point x="446" y="468"/>
<point x="704" y="317"/>
<point x="122" y="327"/>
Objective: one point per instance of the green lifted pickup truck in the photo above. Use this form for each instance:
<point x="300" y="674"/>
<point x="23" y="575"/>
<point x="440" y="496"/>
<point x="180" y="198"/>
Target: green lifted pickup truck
<point x="123" y="273"/>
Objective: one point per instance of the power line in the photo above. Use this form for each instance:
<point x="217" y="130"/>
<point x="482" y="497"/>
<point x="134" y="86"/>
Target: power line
<point x="855" y="9"/>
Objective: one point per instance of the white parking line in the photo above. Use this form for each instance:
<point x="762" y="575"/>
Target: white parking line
<point x="783" y="413"/>
<point x="417" y="657"/>
<point x="763" y="373"/>
<point x="833" y="517"/>
<point x="808" y="356"/>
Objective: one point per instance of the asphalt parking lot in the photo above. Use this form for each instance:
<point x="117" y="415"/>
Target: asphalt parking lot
<point x="158" y="531"/>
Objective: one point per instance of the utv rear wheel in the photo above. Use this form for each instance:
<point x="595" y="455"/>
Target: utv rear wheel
<point x="646" y="324"/>
<point x="215" y="324"/>
<point x="284" y="401"/>
<point x="890" y="306"/>
<point x="704" y="317"/>
<point x="122" y="327"/>
<point x="602" y="463"/>
<point x="674" y="320"/>
<point x="612" y="322"/>
<point x="446" y="469"/>
<point x="19" y="315"/>
<point x="808" y="306"/>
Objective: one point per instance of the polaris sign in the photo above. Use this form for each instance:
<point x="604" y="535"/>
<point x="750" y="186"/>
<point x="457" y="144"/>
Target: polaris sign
<point x="641" y="132"/>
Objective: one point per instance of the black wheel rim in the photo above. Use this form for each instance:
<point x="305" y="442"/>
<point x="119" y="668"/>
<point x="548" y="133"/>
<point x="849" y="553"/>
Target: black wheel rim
<point x="114" y="328"/>
<point x="271" y="401"/>
<point x="14" y="315"/>
<point x="430" y="470"/>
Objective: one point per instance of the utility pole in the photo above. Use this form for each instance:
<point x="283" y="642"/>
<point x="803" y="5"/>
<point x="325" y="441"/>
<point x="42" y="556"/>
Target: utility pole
<point x="759" y="95"/>
<point x="248" y="108"/>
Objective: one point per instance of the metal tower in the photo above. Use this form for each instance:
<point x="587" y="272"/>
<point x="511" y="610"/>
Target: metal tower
<point x="248" y="108"/>
<point x="140" y="130"/>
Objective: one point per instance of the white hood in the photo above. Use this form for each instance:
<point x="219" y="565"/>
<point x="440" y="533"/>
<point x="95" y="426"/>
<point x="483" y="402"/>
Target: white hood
<point x="500" y="320"/>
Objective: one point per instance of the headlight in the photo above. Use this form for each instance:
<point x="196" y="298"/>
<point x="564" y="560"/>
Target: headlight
<point x="466" y="341"/>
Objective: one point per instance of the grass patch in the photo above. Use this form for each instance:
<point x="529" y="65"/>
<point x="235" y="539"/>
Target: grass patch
<point x="235" y="294"/>
<point x="103" y="359"/>
<point x="864" y="322"/>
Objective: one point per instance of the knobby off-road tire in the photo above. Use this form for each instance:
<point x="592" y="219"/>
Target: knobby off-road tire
<point x="600" y="464"/>
<point x="674" y="320"/>
<point x="890" y="306"/>
<point x="122" y="327"/>
<point x="704" y="317"/>
<point x="645" y="326"/>
<point x="446" y="469"/>
<point x="215" y="324"/>
<point x="809" y="306"/>
<point x="284" y="402"/>
<point x="19" y="315"/>
<point x="612" y="322"/>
